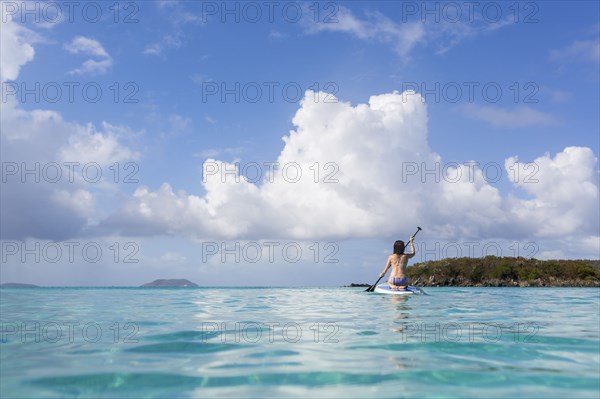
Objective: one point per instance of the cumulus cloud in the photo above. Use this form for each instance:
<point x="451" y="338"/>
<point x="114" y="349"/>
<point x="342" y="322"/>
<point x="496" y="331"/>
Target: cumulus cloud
<point x="79" y="201"/>
<point x="53" y="201"/>
<point x="93" y="146"/>
<point x="42" y="197"/>
<point x="361" y="153"/>
<point x="563" y="190"/>
<point x="16" y="49"/>
<point x="233" y="208"/>
<point x="91" y="47"/>
<point x="369" y="149"/>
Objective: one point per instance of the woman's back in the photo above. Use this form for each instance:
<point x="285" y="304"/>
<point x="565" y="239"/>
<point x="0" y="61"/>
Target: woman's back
<point x="399" y="263"/>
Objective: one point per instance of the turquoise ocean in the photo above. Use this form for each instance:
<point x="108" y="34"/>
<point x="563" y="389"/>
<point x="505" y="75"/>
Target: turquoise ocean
<point x="299" y="342"/>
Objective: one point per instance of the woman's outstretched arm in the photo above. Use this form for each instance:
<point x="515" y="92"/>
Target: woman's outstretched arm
<point x="412" y="247"/>
<point x="387" y="266"/>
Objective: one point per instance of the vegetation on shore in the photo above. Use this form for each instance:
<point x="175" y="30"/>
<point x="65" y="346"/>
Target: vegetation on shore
<point x="493" y="271"/>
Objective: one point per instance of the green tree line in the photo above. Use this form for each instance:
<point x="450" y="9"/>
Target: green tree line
<point x="505" y="271"/>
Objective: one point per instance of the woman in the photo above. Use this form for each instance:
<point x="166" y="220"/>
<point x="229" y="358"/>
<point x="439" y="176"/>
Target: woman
<point x="398" y="261"/>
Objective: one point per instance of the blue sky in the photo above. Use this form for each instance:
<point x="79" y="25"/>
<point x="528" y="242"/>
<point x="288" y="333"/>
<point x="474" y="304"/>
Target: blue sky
<point x="165" y="56"/>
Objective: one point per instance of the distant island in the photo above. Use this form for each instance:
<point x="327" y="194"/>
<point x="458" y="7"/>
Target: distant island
<point x="170" y="283"/>
<point x="493" y="271"/>
<point x="18" y="285"/>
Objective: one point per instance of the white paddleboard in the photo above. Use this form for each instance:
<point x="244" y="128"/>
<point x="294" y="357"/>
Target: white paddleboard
<point x="385" y="289"/>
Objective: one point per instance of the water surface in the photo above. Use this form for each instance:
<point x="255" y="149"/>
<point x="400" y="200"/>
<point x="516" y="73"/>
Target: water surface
<point x="314" y="342"/>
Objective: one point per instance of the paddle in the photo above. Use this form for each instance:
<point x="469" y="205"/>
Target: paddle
<point x="372" y="288"/>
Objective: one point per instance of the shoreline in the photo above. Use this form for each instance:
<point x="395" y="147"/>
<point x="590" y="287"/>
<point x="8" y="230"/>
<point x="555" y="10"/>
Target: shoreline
<point x="493" y="271"/>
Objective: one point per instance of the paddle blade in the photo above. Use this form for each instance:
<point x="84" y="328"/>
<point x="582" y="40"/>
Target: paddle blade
<point x="372" y="288"/>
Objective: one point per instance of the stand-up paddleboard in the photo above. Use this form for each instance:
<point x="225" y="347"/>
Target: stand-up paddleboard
<point x="385" y="289"/>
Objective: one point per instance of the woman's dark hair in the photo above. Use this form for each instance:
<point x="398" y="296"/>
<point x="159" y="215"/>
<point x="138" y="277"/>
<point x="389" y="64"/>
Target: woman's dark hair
<point x="399" y="247"/>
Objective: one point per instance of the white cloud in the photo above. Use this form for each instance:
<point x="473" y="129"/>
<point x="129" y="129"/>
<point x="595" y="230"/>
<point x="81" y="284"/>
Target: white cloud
<point x="167" y="42"/>
<point x="178" y="122"/>
<point x="371" y="144"/>
<point x="563" y="190"/>
<point x="584" y="50"/>
<point x="588" y="244"/>
<point x="556" y="96"/>
<point x="212" y="153"/>
<point x="377" y="27"/>
<point x="43" y="208"/>
<point x="276" y="35"/>
<point x="80" y="201"/>
<point x="518" y="117"/>
<point x="16" y="50"/>
<point x="173" y="12"/>
<point x="552" y="254"/>
<point x="86" y="46"/>
<point x="406" y="35"/>
<point x="200" y="78"/>
<point x="175" y="125"/>
<point x="38" y="206"/>
<point x="91" y="146"/>
<point x="172" y="257"/>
